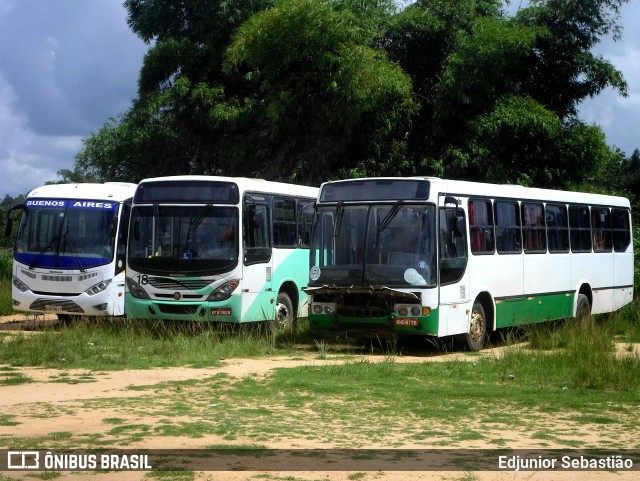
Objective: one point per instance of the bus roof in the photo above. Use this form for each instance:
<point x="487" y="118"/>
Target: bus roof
<point x="116" y="191"/>
<point x="508" y="191"/>
<point x="245" y="184"/>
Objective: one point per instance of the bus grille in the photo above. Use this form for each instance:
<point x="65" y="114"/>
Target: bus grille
<point x="365" y="306"/>
<point x="189" y="309"/>
<point x="362" y="312"/>
<point x="174" y="285"/>
<point x="53" y="305"/>
<point x="48" y="277"/>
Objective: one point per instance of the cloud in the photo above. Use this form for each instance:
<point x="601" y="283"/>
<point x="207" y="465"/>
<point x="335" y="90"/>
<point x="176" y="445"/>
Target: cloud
<point x="66" y="68"/>
<point x="27" y="160"/>
<point x="620" y="116"/>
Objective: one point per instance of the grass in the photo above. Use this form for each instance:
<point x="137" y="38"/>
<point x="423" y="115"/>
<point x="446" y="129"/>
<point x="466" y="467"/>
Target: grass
<point x="6" y="260"/>
<point x="359" y="403"/>
<point x="543" y="394"/>
<point x="114" y="344"/>
<point x="582" y="353"/>
<point x="6" y="307"/>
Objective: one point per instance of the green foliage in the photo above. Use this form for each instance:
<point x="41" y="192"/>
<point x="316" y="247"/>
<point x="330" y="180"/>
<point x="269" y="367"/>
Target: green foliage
<point x="331" y="101"/>
<point x="311" y="90"/>
<point x="6" y="263"/>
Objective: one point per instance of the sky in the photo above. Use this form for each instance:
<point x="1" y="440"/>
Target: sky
<point x="68" y="66"/>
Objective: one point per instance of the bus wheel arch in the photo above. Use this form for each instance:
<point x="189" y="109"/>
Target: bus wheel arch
<point x="584" y="304"/>
<point x="584" y="293"/>
<point x="481" y="322"/>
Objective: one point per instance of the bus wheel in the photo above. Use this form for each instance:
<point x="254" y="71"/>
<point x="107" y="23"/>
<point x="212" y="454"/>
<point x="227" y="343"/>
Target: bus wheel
<point x="284" y="313"/>
<point x="583" y="309"/>
<point x="477" y="334"/>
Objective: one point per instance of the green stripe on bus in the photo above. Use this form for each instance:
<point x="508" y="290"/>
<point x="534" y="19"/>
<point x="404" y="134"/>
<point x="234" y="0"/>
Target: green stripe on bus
<point x="262" y="307"/>
<point x="530" y="309"/>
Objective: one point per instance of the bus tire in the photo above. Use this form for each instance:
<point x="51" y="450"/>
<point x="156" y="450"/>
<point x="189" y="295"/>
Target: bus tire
<point x="476" y="337"/>
<point x="284" y="315"/>
<point x="583" y="308"/>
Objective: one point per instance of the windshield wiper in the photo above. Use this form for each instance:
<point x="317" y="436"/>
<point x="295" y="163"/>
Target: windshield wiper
<point x="194" y="224"/>
<point x="338" y="223"/>
<point x="156" y="216"/>
<point x="387" y="220"/>
<point x="52" y="243"/>
<point x="69" y="241"/>
<point x="203" y="214"/>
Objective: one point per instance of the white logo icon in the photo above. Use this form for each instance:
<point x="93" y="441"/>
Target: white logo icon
<point x="23" y="459"/>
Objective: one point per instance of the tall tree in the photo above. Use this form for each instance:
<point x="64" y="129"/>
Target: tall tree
<point x="331" y="102"/>
<point x="314" y="89"/>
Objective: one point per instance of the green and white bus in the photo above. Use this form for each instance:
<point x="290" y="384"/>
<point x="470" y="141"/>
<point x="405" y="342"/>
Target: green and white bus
<point x="219" y="249"/>
<point x="428" y="256"/>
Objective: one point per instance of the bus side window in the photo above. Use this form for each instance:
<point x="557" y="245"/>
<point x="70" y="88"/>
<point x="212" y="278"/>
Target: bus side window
<point x="256" y="234"/>
<point x="621" y="230"/>
<point x="481" y="227"/>
<point x="306" y="214"/>
<point x="534" y="230"/>
<point x="601" y="229"/>
<point x="453" y="245"/>
<point x="508" y="235"/>
<point x="557" y="228"/>
<point x="579" y="228"/>
<point x="284" y="223"/>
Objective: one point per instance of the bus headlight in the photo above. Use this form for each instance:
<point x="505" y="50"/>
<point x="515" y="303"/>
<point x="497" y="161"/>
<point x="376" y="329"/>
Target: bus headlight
<point x="223" y="292"/>
<point x="98" y="288"/>
<point x="408" y="309"/>
<point x="21" y="286"/>
<point x="135" y="290"/>
<point x="323" y="307"/>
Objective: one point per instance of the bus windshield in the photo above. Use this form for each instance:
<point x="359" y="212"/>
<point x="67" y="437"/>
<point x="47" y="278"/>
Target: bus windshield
<point x="66" y="234"/>
<point x="390" y="245"/>
<point x="191" y="240"/>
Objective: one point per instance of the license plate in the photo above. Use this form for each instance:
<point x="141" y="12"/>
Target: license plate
<point x="221" y="311"/>
<point x="406" y="321"/>
<point x="52" y="308"/>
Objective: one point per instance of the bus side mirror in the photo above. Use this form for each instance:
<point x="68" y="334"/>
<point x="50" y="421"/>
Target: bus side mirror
<point x="308" y="209"/>
<point x="305" y="219"/>
<point x="8" y="228"/>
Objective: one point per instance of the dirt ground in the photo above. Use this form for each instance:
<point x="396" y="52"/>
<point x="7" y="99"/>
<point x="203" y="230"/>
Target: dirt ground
<point x="78" y="402"/>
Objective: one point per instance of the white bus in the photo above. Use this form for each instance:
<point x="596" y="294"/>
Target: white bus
<point x="70" y="253"/>
<point x="219" y="249"/>
<point x="427" y="256"/>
